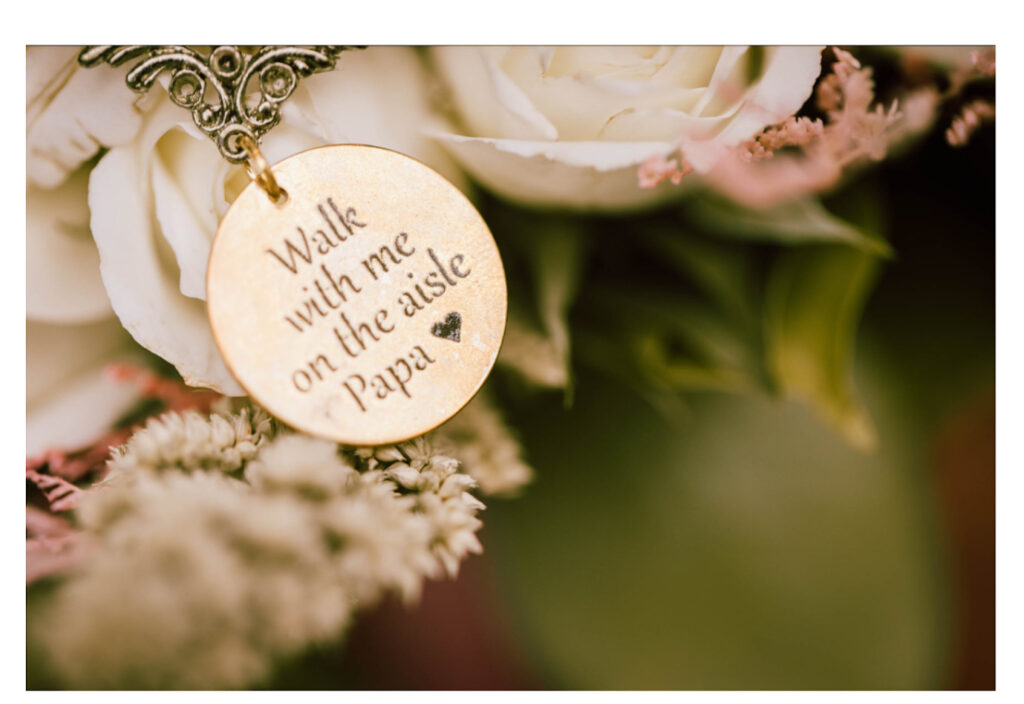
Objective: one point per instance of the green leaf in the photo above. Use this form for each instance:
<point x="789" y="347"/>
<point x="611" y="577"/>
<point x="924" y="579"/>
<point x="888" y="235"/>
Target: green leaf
<point x="557" y="257"/>
<point x="606" y="355"/>
<point x="535" y="356"/>
<point x="813" y="304"/>
<point x="748" y="548"/>
<point x="723" y="270"/>
<point x="666" y="342"/>
<point x="679" y="314"/>
<point x="537" y="343"/>
<point x="793" y="223"/>
<point x="679" y="321"/>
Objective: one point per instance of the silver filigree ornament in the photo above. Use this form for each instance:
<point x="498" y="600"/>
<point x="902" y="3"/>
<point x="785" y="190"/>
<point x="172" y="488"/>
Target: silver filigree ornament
<point x="215" y="85"/>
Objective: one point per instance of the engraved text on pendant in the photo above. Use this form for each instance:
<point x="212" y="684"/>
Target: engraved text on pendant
<point x="369" y="307"/>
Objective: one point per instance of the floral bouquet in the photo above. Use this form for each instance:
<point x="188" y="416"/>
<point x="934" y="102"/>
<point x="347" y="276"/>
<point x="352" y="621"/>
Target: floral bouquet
<point x="690" y="237"/>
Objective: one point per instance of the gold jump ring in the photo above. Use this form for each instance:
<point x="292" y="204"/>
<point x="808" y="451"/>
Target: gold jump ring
<point x="259" y="169"/>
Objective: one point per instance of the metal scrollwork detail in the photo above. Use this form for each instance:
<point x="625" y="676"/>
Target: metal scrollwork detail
<point x="215" y="86"/>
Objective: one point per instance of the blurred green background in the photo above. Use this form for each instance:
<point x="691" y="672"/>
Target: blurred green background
<point x="735" y="541"/>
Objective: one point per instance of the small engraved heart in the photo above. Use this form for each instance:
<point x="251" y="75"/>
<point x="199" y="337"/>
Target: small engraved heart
<point x="449" y="328"/>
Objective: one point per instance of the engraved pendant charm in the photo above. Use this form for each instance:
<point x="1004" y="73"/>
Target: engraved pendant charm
<point x="367" y="305"/>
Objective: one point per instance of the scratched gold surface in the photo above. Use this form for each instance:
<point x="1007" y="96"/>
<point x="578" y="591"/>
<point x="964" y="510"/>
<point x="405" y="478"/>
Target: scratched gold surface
<point x="251" y="295"/>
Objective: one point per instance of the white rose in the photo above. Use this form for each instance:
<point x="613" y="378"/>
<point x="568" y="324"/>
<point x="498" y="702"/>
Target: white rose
<point x="571" y="125"/>
<point x="156" y="201"/>
<point x="71" y="333"/>
<point x="69" y="400"/>
<point x="71" y="112"/>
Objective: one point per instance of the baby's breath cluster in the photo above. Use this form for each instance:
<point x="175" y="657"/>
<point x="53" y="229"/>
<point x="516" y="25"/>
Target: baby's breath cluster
<point x="440" y="494"/>
<point x="479" y="438"/>
<point x="220" y="548"/>
<point x="220" y="441"/>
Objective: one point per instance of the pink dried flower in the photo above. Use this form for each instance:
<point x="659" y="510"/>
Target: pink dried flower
<point x="793" y="132"/>
<point x="174" y="394"/>
<point x="43" y="524"/>
<point x="845" y="61"/>
<point x="658" y="168"/>
<point x="982" y="65"/>
<point x="834" y="87"/>
<point x="829" y="93"/>
<point x="73" y="466"/>
<point x="61" y="494"/>
<point x="972" y="116"/>
<point x="984" y="62"/>
<point x="76" y="464"/>
<point x="52" y="546"/>
<point x="855" y="129"/>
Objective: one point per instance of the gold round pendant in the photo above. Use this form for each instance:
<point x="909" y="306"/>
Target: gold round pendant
<point x="366" y="306"/>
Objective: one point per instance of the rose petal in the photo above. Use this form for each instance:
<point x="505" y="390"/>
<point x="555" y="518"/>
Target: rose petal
<point x="584" y="175"/>
<point x="69" y="402"/>
<point x="89" y="407"/>
<point x="723" y="89"/>
<point x="185" y="206"/>
<point x="488" y="101"/>
<point x="639" y="63"/>
<point x="56" y="353"/>
<point x="579" y="106"/>
<point x="785" y="84"/>
<point x="375" y="96"/>
<point x="638" y="102"/>
<point x="62" y="269"/>
<point x="191" y="192"/>
<point x="72" y="112"/>
<point x="141" y="282"/>
<point x="286" y="140"/>
<point x="601" y="156"/>
<point x="689" y="66"/>
<point x="663" y="124"/>
<point x="45" y="68"/>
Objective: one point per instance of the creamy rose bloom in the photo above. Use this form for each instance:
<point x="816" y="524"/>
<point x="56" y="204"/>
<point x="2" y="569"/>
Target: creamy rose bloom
<point x="71" y="334"/>
<point x="69" y="401"/>
<point x="570" y="125"/>
<point x="70" y="114"/>
<point x="155" y="201"/>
